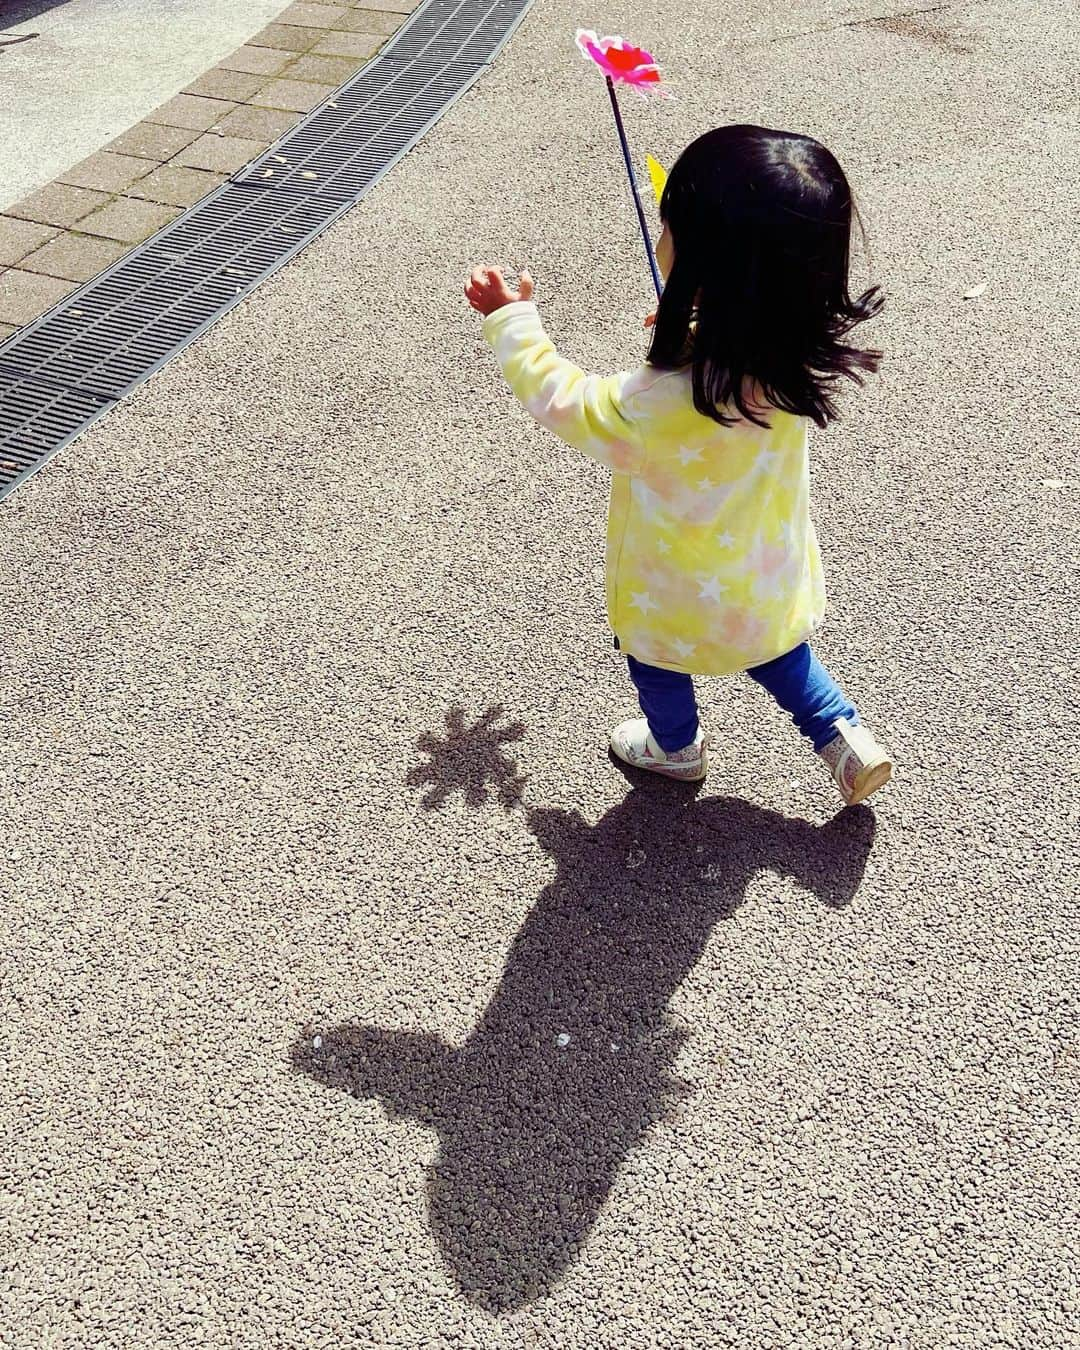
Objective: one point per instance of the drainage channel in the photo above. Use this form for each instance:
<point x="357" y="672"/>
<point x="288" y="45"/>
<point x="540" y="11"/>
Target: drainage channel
<point x="64" y="370"/>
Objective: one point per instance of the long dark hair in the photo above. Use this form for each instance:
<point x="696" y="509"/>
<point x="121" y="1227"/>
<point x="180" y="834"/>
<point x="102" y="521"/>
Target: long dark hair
<point x="757" y="301"/>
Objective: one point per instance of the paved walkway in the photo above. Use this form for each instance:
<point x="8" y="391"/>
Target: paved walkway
<point x="336" y="1017"/>
<point x="137" y="182"/>
<point x="94" y="67"/>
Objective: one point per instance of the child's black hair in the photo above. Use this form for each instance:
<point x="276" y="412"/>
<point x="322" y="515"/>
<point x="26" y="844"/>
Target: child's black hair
<point x="757" y="301"/>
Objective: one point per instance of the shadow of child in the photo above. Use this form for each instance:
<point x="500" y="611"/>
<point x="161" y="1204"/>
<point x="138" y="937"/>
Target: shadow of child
<point x="571" y="1060"/>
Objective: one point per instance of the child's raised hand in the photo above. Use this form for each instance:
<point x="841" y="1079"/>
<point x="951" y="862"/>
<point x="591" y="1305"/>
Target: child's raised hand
<point x="486" y="290"/>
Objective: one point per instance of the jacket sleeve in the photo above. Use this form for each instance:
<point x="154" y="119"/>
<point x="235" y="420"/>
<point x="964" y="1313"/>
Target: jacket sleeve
<point x="588" y="412"/>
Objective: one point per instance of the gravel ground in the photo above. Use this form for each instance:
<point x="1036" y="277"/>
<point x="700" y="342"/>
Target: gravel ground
<point x="351" y="996"/>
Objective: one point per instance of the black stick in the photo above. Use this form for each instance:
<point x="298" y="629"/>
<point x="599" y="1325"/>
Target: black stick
<point x="634" y="187"/>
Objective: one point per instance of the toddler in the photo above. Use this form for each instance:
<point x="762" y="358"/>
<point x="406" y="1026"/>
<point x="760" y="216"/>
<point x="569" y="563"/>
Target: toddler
<point x="712" y="561"/>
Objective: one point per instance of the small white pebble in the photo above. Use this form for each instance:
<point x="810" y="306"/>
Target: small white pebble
<point x="316" y="1041"/>
<point x="562" y="1040"/>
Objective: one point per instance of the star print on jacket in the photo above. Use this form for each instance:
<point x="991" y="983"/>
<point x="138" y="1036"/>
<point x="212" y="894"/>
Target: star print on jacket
<point x="712" y="559"/>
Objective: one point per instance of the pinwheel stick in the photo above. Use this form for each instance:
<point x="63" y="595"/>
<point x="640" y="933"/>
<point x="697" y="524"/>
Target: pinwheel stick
<point x="649" y="251"/>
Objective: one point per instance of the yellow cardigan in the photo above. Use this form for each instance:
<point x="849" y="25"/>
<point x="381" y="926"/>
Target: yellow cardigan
<point x="712" y="559"/>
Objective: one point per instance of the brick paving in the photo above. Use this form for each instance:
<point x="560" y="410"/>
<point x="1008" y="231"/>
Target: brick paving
<point x="70" y="230"/>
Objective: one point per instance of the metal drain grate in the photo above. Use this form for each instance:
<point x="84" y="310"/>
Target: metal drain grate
<point x="61" y="372"/>
<point x="48" y="417"/>
<point x="369" y="124"/>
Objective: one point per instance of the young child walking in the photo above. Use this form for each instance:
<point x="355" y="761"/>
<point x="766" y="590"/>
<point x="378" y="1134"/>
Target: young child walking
<point x="712" y="560"/>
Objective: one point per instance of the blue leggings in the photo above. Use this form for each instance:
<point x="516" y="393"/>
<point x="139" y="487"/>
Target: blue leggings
<point x="798" y="681"/>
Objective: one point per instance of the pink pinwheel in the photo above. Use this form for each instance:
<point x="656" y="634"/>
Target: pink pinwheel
<point x="621" y="61"/>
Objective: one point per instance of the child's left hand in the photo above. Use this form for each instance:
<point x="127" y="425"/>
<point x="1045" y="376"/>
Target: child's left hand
<point x="486" y="290"/>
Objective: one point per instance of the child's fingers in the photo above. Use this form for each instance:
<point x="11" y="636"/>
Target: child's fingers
<point x="479" y="288"/>
<point x="487" y="289"/>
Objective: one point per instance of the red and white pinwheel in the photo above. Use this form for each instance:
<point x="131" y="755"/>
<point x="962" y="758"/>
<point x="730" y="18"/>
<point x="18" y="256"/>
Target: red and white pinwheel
<point x="623" y="63"/>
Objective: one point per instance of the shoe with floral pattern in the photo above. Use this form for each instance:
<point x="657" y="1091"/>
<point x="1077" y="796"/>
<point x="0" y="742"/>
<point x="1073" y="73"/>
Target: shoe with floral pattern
<point x="634" y="744"/>
<point x="858" y="764"/>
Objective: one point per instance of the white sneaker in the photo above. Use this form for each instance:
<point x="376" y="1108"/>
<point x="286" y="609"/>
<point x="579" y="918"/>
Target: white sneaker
<point x="859" y="765"/>
<point x="633" y="743"/>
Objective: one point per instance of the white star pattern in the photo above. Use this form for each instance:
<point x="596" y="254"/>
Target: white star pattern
<point x="766" y="589"/>
<point x="765" y="460"/>
<point x="705" y="575"/>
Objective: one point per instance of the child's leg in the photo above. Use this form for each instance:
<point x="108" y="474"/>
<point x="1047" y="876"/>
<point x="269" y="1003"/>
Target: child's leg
<point x="667" y="700"/>
<point x="805" y="689"/>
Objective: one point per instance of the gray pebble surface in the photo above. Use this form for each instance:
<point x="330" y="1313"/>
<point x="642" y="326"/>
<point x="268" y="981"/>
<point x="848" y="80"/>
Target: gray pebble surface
<point x="350" y="995"/>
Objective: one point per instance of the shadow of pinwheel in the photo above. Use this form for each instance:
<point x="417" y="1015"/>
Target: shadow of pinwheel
<point x="470" y="760"/>
<point x="571" y="1062"/>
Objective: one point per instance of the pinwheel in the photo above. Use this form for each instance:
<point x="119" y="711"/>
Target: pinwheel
<point x="621" y="62"/>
